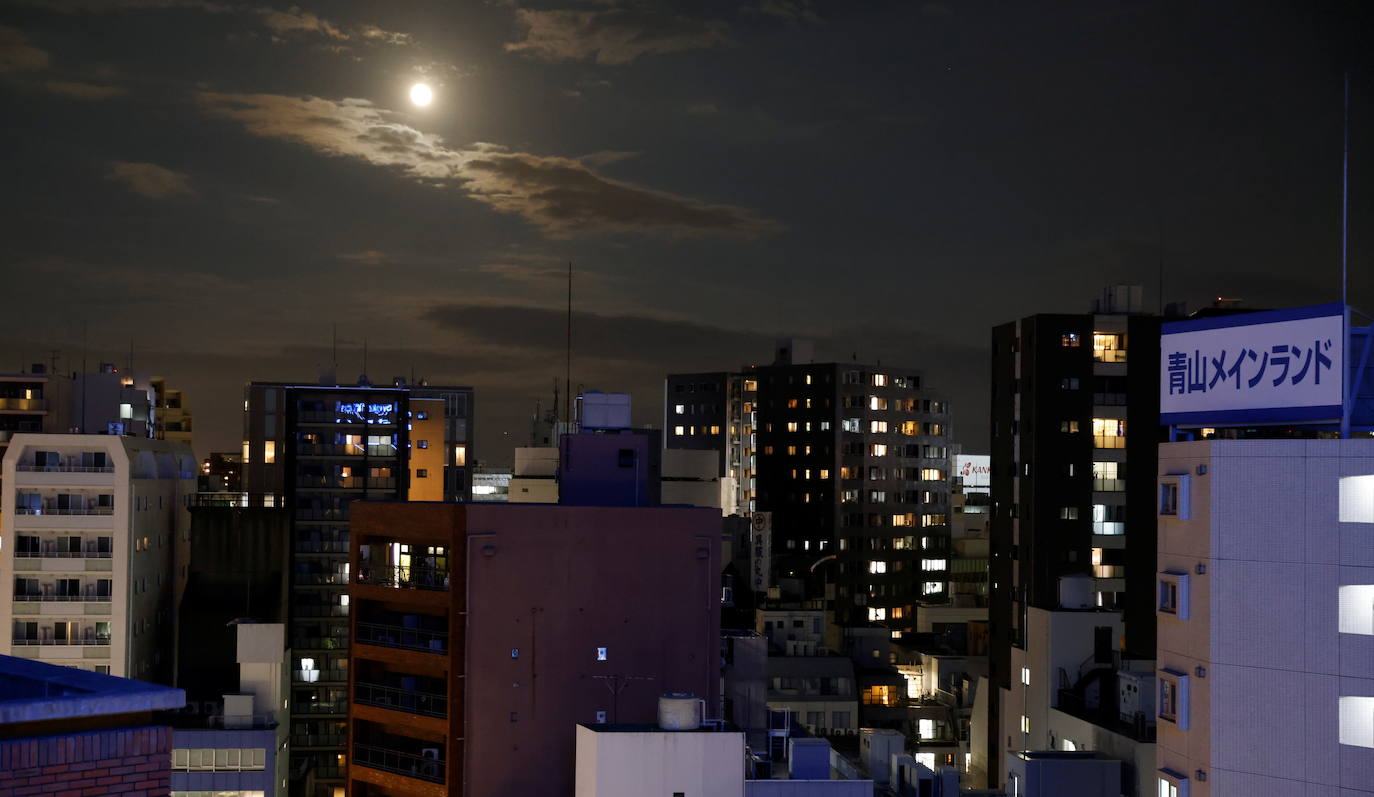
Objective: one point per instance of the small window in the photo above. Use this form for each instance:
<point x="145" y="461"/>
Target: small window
<point x="600" y="654"/>
<point x="1173" y="698"/>
<point x="422" y="473"/>
<point x="1068" y="513"/>
<point x="1173" y="594"/>
<point x="422" y="444"/>
<point x="1070" y="340"/>
<point x="1173" y="496"/>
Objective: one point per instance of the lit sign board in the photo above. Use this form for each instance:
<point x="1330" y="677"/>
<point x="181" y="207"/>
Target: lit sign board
<point x="1282" y="366"/>
<point x="974" y="469"/>
<point x="372" y="413"/>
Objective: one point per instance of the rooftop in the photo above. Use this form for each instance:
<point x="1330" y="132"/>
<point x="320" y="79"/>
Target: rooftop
<point x="34" y="691"/>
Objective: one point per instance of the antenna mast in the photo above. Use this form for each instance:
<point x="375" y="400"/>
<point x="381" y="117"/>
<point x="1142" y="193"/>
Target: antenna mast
<point x="567" y="374"/>
<point x="1345" y="192"/>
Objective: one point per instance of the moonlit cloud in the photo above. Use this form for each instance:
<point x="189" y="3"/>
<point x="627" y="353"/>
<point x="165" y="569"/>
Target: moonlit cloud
<point x="17" y="55"/>
<point x="564" y="197"/>
<point x="150" y="180"/>
<point x="613" y="36"/>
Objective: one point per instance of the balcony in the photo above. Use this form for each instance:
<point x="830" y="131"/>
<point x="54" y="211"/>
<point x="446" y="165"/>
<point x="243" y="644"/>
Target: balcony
<point x="395" y="636"/>
<point x="403" y="577"/>
<point x="344" y="450"/>
<point x="63" y="510"/>
<point x="320" y="610"/>
<point x="82" y="641"/>
<point x="410" y="701"/>
<point x="317" y="676"/>
<point x="23" y="405"/>
<point x="299" y="740"/>
<point x="336" y="707"/>
<point x="395" y="761"/>
<point x="319" y="643"/>
<point x="56" y="554"/>
<point x="90" y="596"/>
<point x="28" y="468"/>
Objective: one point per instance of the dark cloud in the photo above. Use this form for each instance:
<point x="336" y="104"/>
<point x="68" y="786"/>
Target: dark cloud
<point x="150" y="180"/>
<point x="80" y="90"/>
<point x="614" y="36"/>
<point x="564" y="197"/>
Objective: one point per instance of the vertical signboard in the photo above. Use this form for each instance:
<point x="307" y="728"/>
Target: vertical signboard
<point x="1284" y="366"/>
<point x="761" y="550"/>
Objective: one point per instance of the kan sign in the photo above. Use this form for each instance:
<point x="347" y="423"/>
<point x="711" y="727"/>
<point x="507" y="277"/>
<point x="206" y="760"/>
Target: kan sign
<point x="1274" y="367"/>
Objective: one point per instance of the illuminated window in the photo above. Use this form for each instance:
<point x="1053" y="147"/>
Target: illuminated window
<point x="879" y="694"/>
<point x="933" y="520"/>
<point x="1109" y="477"/>
<point x="792" y="451"/>
<point x="1025" y="724"/>
<point x="601" y="654"/>
<point x="421" y="444"/>
<point x="877" y="403"/>
<point x="932" y="475"/>
<point x="269" y="451"/>
<point x="877" y="567"/>
<point x="680" y="409"/>
<point x="1025" y="676"/>
<point x="911" y="427"/>
<point x="1109" y="348"/>
<point x="935" y="564"/>
<point x="808" y="379"/>
<point x="715" y="430"/>
<point x="876" y="613"/>
<point x="824" y="474"/>
<point x="460" y="455"/>
<point x="877" y="450"/>
<point x="792" y="426"/>
<point x="880" y="380"/>
<point x="877" y="496"/>
<point x="926" y="728"/>
<point x="931" y="587"/>
<point x="1069" y="340"/>
<point x="877" y="427"/>
<point x="751" y="385"/>
<point x="905" y="519"/>
<point x="1109" y="432"/>
<point x="791" y="404"/>
<point x="850" y="472"/>
<point x="1068" y="513"/>
<point x="1068" y="427"/>
<point x="245" y="452"/>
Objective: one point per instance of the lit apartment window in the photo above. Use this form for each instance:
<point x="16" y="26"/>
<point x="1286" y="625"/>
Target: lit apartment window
<point x="460" y="455"/>
<point x="680" y="409"/>
<point x="932" y="587"/>
<point x="877" y="567"/>
<point x="808" y="379"/>
<point x="1109" y="348"/>
<point x="880" y="380"/>
<point x="935" y="564"/>
<point x="1069" y="340"/>
<point x="880" y="694"/>
<point x="791" y="404"/>
<point x="751" y="386"/>
<point x="877" y="496"/>
<point x="1025" y="724"/>
<point x="715" y="430"/>
<point x="877" y="427"/>
<point x="1025" y="676"/>
<point x="933" y="520"/>
<point x="245" y="452"/>
<point x="877" y="403"/>
<point x="792" y="426"/>
<point x="1068" y="427"/>
<point x="935" y="429"/>
<point x="911" y="428"/>
<point x="876" y="613"/>
<point x="905" y="519"/>
<point x="269" y="451"/>
<point x="932" y="475"/>
<point x="925" y="728"/>
<point x="877" y="450"/>
<point x="824" y="474"/>
<point x="792" y="451"/>
<point x="1109" y="432"/>
<point x="1068" y="513"/>
<point x="1109" y="477"/>
<point x="679" y="430"/>
<point x="852" y="425"/>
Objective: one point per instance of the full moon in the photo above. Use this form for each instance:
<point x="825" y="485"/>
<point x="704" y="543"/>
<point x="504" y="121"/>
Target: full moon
<point x="421" y="95"/>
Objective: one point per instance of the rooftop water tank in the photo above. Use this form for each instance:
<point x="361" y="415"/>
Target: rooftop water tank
<point x="679" y="711"/>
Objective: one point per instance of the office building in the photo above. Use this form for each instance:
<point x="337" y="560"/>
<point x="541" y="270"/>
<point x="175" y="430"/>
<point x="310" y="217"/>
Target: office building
<point x="65" y="731"/>
<point x="98" y="535"/>
<point x="1075" y="424"/>
<point x="317" y="450"/>
<point x="850" y="462"/>
<point x="114" y="402"/>
<point x="484" y="633"/>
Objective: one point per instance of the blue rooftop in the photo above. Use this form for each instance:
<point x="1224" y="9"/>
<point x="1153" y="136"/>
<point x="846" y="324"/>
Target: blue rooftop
<point x="35" y="691"/>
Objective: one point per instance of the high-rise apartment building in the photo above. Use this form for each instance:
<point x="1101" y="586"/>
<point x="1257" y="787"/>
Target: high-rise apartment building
<point x="318" y="449"/>
<point x="97" y="525"/>
<point x="172" y="413"/>
<point x="851" y="461"/>
<point x="1075" y="425"/>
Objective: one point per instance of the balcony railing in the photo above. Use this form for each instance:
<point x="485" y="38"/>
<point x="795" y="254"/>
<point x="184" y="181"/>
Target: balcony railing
<point x="29" y="468"/>
<point x="24" y="405"/>
<point x="319" y="579"/>
<point x="414" y="766"/>
<point x="321" y="546"/>
<point x="403" y="577"/>
<point x="88" y="640"/>
<point x="344" y="450"/>
<point x="410" y="701"/>
<point x="316" y="676"/>
<point x="320" y="707"/>
<point x="320" y="642"/>
<point x="318" y="739"/>
<point x="55" y="554"/>
<point x="63" y="510"/>
<point x="394" y="636"/>
<point x="86" y="597"/>
<point x="320" y="610"/>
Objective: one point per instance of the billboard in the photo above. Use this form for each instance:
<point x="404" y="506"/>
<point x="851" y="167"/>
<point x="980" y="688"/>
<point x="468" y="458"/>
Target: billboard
<point x="761" y="550"/>
<point x="975" y="470"/>
<point x="1283" y="366"/>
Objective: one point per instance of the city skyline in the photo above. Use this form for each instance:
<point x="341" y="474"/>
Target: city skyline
<point x="220" y="185"/>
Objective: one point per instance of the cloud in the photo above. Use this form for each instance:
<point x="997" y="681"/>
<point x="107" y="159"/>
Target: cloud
<point x="294" y="20"/>
<point x="613" y="36"/>
<point x="367" y="257"/>
<point x="795" y="10"/>
<point x="564" y="197"/>
<point x="79" y="90"/>
<point x="150" y="180"/>
<point x="17" y="55"/>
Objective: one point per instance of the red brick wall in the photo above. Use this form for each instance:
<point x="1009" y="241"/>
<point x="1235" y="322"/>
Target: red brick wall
<point x="134" y="762"/>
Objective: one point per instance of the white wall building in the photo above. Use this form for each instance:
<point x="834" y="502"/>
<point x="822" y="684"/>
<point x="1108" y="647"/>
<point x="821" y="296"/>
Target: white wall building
<point x="1265" y="591"/>
<point x="632" y="761"/>
<point x="88" y="560"/>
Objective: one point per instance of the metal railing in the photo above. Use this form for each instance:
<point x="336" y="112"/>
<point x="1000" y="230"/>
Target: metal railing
<point x="87" y="597"/>
<point x="318" y="579"/>
<point x="56" y="510"/>
<point x="318" y="739"/>
<point x="411" y="701"/>
<point x="320" y="707"/>
<point x="52" y="553"/>
<point x="414" y="766"/>
<point x="394" y="636"/>
<point x="317" y="676"/>
<point x="403" y="577"/>
<point x="28" y="468"/>
<point x="23" y="404"/>
<point x="88" y="640"/>
<point x="320" y="610"/>
<point x="321" y="546"/>
<point x="344" y="450"/>
<point x="320" y="642"/>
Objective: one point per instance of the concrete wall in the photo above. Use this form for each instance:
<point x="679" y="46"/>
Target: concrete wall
<point x="635" y="763"/>
<point x="557" y="583"/>
<point x="1264" y="617"/>
<point x="808" y="788"/>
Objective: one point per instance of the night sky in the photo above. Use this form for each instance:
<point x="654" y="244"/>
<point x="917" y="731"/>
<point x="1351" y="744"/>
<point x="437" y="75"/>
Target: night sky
<point x="219" y="184"/>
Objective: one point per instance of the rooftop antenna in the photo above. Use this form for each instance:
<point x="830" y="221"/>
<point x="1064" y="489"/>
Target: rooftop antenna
<point x="1345" y="191"/>
<point x="567" y="374"/>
